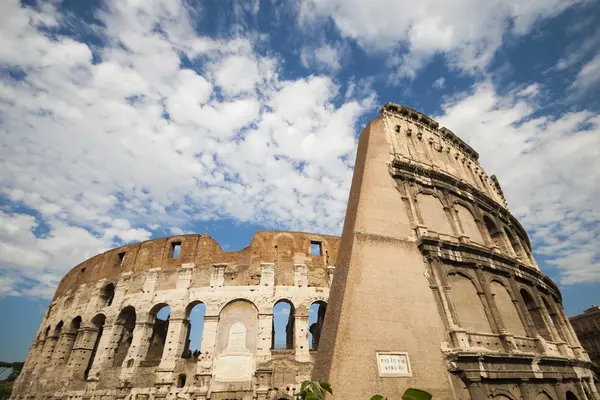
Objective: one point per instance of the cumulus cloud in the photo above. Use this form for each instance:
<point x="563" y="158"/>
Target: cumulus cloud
<point x="325" y="57"/>
<point x="105" y="145"/>
<point x="467" y="33"/>
<point x="549" y="168"/>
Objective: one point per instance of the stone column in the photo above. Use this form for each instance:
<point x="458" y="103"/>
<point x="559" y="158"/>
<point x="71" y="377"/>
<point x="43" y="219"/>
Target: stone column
<point x="209" y="343"/>
<point x="265" y="333"/>
<point x="138" y="349"/>
<point x="174" y="345"/>
<point x="63" y="349"/>
<point x="48" y="350"/>
<point x="82" y="350"/>
<point x="106" y="348"/>
<point x="301" y="335"/>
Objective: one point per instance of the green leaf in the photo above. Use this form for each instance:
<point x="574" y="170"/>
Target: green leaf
<point x="378" y="397"/>
<point x="325" y="385"/>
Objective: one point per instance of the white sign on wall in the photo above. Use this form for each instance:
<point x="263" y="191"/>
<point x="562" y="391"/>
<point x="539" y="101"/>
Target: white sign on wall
<point x="393" y="364"/>
<point x="236" y="363"/>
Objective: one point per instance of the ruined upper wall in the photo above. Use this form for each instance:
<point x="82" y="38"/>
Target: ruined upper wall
<point x="242" y="267"/>
<point x="416" y="138"/>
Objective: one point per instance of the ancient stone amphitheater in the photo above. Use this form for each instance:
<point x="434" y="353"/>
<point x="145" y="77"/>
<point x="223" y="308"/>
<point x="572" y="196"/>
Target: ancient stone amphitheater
<point x="432" y="267"/>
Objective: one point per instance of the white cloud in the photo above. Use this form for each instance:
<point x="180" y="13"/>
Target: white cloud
<point x="439" y="83"/>
<point x="325" y="57"/>
<point x="467" y="32"/>
<point x="589" y="76"/>
<point x="86" y="145"/>
<point x="549" y="169"/>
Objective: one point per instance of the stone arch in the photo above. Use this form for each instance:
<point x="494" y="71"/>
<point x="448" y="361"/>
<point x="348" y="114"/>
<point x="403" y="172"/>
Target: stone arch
<point x="501" y="394"/>
<point x="495" y="233"/>
<point x="58" y="328"/>
<point x="432" y="211"/>
<point x="468" y="305"/>
<point x="571" y="396"/>
<point x="535" y="312"/>
<point x="125" y="325"/>
<point x="107" y="294"/>
<point x="507" y="308"/>
<point x="283" y="325"/>
<point x="238" y="310"/>
<point x="542" y="394"/>
<point x="467" y="222"/>
<point x="159" y="315"/>
<point x="316" y="317"/>
<point x="194" y="326"/>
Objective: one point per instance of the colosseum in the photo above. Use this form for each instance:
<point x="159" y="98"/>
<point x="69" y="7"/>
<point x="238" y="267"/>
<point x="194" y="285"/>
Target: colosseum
<point x="433" y="285"/>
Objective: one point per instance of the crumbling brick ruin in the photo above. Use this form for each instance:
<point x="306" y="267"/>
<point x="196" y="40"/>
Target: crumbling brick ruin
<point x="431" y="262"/>
<point x="102" y="336"/>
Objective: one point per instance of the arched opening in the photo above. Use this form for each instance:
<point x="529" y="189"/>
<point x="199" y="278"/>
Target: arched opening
<point x="161" y="314"/>
<point x="194" y="322"/>
<point x="97" y="323"/>
<point x="536" y="314"/>
<point x="58" y="329"/>
<point x="495" y="233"/>
<point x="70" y="339"/>
<point x="508" y="311"/>
<point x="243" y="314"/>
<point x="125" y="326"/>
<point x="468" y="305"/>
<point x="283" y="326"/>
<point x="554" y="319"/>
<point x="516" y="245"/>
<point x="316" y="316"/>
<point x="108" y="293"/>
<point x="181" y="380"/>
<point x="571" y="396"/>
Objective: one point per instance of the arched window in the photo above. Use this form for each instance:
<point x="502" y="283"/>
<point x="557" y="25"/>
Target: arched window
<point x="108" y="293"/>
<point x="161" y="314"/>
<point x="283" y="325"/>
<point x="98" y="323"/>
<point x="508" y="311"/>
<point x="125" y="326"/>
<point x="433" y="214"/>
<point x="536" y="314"/>
<point x="495" y="233"/>
<point x="468" y="306"/>
<point x="468" y="224"/>
<point x="571" y="396"/>
<point x="316" y="316"/>
<point x="194" y="325"/>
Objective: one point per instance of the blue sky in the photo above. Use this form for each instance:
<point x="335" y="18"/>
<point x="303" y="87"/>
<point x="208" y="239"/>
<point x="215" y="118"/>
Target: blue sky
<point x="126" y="120"/>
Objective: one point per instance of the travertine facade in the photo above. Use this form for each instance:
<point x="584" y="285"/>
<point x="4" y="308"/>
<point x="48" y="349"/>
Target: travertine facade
<point x="432" y="267"/>
<point x="587" y="328"/>
<point x="436" y="286"/>
<point x="101" y="337"/>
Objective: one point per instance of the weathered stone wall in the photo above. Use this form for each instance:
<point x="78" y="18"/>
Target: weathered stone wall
<point x="432" y="263"/>
<point x="102" y="336"/>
